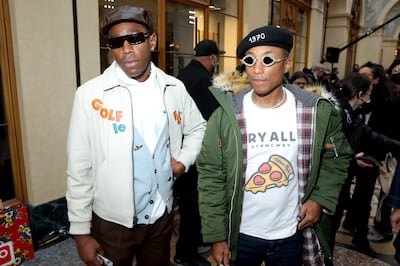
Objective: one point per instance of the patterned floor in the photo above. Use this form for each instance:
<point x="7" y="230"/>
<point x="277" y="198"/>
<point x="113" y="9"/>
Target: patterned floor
<point x="345" y="253"/>
<point x="65" y="253"/>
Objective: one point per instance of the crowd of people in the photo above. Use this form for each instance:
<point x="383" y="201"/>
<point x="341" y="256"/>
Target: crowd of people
<point x="259" y="163"/>
<point x="369" y="100"/>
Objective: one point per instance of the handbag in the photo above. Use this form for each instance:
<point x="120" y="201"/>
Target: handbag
<point x="16" y="243"/>
<point x="385" y="178"/>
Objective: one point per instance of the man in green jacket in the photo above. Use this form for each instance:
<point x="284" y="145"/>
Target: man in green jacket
<point x="273" y="161"/>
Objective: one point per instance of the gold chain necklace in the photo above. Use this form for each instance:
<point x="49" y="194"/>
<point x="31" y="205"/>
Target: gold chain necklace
<point x="282" y="101"/>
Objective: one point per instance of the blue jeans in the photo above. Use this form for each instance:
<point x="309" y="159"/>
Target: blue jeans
<point x="253" y="250"/>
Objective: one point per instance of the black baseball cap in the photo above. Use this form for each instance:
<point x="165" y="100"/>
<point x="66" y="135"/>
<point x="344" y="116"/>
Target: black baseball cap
<point x="207" y="47"/>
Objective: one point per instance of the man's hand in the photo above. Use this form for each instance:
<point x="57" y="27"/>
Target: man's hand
<point x="310" y="214"/>
<point x="220" y="252"/>
<point x="395" y="219"/>
<point x="87" y="248"/>
<point x="362" y="163"/>
<point x="178" y="168"/>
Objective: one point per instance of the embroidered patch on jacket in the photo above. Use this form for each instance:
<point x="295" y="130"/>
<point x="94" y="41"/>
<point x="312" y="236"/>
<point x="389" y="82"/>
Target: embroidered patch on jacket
<point x="178" y="117"/>
<point x="110" y="115"/>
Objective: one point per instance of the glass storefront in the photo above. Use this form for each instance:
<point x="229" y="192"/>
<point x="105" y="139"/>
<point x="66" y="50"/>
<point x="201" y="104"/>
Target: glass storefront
<point x="294" y="15"/>
<point x="301" y="39"/>
<point x="7" y="190"/>
<point x="183" y="23"/>
<point x="223" y="25"/>
<point x="186" y="23"/>
<point x="184" y="28"/>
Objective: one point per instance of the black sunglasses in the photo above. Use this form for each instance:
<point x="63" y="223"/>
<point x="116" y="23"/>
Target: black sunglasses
<point x="134" y="39"/>
<point x="266" y="60"/>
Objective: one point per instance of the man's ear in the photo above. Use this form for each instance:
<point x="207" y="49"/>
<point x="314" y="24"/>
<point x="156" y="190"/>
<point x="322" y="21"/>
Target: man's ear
<point x="153" y="41"/>
<point x="288" y="65"/>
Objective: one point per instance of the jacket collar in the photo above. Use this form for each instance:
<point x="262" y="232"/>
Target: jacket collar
<point x="111" y="81"/>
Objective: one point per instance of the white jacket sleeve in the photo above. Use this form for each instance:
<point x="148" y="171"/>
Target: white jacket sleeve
<point x="79" y="169"/>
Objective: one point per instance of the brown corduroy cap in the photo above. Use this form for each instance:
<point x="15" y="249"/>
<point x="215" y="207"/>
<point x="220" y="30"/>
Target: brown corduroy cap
<point x="127" y="14"/>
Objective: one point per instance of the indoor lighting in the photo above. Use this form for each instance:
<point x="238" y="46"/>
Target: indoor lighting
<point x="109" y="4"/>
<point x="213" y="7"/>
<point x="191" y="16"/>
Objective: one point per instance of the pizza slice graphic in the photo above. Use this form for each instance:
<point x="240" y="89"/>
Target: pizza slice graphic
<point x="276" y="172"/>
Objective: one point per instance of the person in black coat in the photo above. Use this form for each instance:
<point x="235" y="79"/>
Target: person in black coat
<point x="393" y="199"/>
<point x="349" y="95"/>
<point x="381" y="117"/>
<point x="383" y="113"/>
<point x="197" y="77"/>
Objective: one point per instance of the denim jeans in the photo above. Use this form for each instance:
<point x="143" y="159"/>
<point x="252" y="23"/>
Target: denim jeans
<point x="253" y="250"/>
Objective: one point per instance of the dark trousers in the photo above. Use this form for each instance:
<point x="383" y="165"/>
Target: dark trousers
<point x="185" y="190"/>
<point x="396" y="243"/>
<point x="358" y="211"/>
<point x="384" y="225"/>
<point x="252" y="251"/>
<point x="343" y="203"/>
<point x="149" y="243"/>
<point x="344" y="200"/>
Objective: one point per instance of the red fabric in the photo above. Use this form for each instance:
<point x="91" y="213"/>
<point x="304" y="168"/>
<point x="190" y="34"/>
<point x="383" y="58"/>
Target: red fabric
<point x="14" y="227"/>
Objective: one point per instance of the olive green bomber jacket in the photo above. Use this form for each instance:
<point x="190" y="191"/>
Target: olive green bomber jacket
<point x="220" y="167"/>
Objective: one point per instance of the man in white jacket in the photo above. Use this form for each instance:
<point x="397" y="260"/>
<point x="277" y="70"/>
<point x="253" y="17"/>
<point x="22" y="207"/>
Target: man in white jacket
<point x="132" y="130"/>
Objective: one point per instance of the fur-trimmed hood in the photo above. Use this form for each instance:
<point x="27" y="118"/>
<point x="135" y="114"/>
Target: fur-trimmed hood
<point x="237" y="83"/>
<point x="329" y="95"/>
<point x="232" y="81"/>
<point x="342" y="106"/>
<point x="316" y="88"/>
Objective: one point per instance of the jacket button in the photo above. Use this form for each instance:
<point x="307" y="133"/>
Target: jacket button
<point x="146" y="216"/>
<point x="151" y="201"/>
<point x="170" y="178"/>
